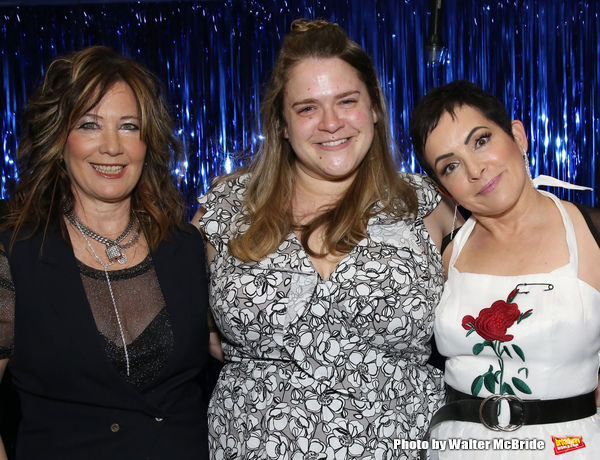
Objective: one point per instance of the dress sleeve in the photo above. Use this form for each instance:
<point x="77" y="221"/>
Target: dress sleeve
<point x="427" y="192"/>
<point x="7" y="307"/>
<point x="223" y="203"/>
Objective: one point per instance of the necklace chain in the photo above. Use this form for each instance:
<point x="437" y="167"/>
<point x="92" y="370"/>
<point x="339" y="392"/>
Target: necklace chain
<point x="77" y="223"/>
<point x="114" y="250"/>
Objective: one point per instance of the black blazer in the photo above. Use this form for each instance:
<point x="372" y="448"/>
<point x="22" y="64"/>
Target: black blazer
<point x="74" y="403"/>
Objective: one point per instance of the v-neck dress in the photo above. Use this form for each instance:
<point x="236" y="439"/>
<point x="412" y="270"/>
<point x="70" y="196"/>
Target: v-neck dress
<point x="540" y="343"/>
<point x="323" y="369"/>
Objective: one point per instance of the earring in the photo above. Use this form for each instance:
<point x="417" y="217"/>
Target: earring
<point x="453" y="222"/>
<point x="527" y="167"/>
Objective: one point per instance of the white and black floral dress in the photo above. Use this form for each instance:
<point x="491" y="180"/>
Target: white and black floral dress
<point x="324" y="369"/>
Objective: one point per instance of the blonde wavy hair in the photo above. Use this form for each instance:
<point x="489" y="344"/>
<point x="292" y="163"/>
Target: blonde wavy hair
<point x="377" y="186"/>
<point x="72" y="86"/>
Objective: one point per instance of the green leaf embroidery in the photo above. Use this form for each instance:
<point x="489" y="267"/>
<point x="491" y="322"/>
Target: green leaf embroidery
<point x="524" y="316"/>
<point x="521" y="386"/>
<point x="526" y="371"/>
<point x="478" y="348"/>
<point x="506" y="388"/>
<point x="476" y="385"/>
<point x="519" y="352"/>
<point x="506" y="351"/>
<point x="490" y="382"/>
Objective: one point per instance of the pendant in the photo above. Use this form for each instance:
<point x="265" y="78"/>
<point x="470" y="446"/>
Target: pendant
<point x="114" y="251"/>
<point x="123" y="259"/>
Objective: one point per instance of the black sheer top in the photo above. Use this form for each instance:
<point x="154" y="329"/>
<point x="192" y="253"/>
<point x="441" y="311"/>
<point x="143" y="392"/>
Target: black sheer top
<point x="141" y="307"/>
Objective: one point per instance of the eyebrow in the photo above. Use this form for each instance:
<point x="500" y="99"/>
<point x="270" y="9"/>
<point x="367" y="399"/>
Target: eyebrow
<point x="304" y="102"/>
<point x="124" y="117"/>
<point x="467" y="139"/>
<point x="442" y="157"/>
<point x="337" y="96"/>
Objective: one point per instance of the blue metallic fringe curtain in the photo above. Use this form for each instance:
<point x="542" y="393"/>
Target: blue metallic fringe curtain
<point x="540" y="57"/>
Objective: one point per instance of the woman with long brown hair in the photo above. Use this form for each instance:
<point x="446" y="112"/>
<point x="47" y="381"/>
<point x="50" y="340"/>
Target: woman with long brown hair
<point x="324" y="268"/>
<point x="103" y="311"/>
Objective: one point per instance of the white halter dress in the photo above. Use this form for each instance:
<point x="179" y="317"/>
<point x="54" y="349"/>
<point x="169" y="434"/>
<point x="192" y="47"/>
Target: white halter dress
<point x="544" y="346"/>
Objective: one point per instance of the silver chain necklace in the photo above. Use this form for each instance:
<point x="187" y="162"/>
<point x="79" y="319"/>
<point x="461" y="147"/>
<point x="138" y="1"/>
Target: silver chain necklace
<point x="114" y="250"/>
<point x="79" y="226"/>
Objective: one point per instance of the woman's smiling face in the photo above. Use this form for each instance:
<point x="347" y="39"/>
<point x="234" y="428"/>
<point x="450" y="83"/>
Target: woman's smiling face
<point x="329" y="118"/>
<point x="104" y="153"/>
<point x="477" y="162"/>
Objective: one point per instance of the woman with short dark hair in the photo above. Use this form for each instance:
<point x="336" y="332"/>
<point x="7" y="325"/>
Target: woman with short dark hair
<point x="519" y="319"/>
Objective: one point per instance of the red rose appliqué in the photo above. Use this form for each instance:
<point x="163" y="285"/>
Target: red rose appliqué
<point x="492" y="322"/>
<point x="492" y="325"/>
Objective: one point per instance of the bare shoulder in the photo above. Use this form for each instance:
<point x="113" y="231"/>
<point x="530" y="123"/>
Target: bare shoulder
<point x="581" y="225"/>
<point x="574" y="213"/>
<point x="587" y="247"/>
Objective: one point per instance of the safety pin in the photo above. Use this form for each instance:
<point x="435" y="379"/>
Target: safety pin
<point x="549" y="286"/>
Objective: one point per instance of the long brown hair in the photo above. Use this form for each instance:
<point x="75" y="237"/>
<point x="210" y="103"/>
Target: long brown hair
<point x="72" y="86"/>
<point x="270" y="187"/>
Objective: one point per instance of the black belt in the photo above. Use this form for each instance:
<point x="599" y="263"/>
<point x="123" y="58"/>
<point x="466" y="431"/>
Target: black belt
<point x="463" y="407"/>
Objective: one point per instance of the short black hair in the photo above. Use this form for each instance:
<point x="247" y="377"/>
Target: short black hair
<point x="445" y="99"/>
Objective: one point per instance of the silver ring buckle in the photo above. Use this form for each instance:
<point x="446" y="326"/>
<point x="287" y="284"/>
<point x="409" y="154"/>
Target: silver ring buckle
<point x="496" y="400"/>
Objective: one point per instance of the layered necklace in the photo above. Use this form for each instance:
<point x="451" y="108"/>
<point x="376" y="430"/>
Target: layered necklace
<point x="114" y="250"/>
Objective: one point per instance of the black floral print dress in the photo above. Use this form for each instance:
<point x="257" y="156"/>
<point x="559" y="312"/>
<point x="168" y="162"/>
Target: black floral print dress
<point x="324" y="369"/>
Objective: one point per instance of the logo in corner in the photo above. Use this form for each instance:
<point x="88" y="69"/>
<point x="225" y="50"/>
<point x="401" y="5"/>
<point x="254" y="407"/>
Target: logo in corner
<point x="564" y="444"/>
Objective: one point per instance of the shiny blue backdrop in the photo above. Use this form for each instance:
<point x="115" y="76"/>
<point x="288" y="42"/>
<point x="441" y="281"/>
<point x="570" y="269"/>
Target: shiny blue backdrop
<point x="539" y="56"/>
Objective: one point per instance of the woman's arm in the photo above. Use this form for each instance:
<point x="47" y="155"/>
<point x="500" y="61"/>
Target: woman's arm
<point x="585" y="222"/>
<point x="214" y="344"/>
